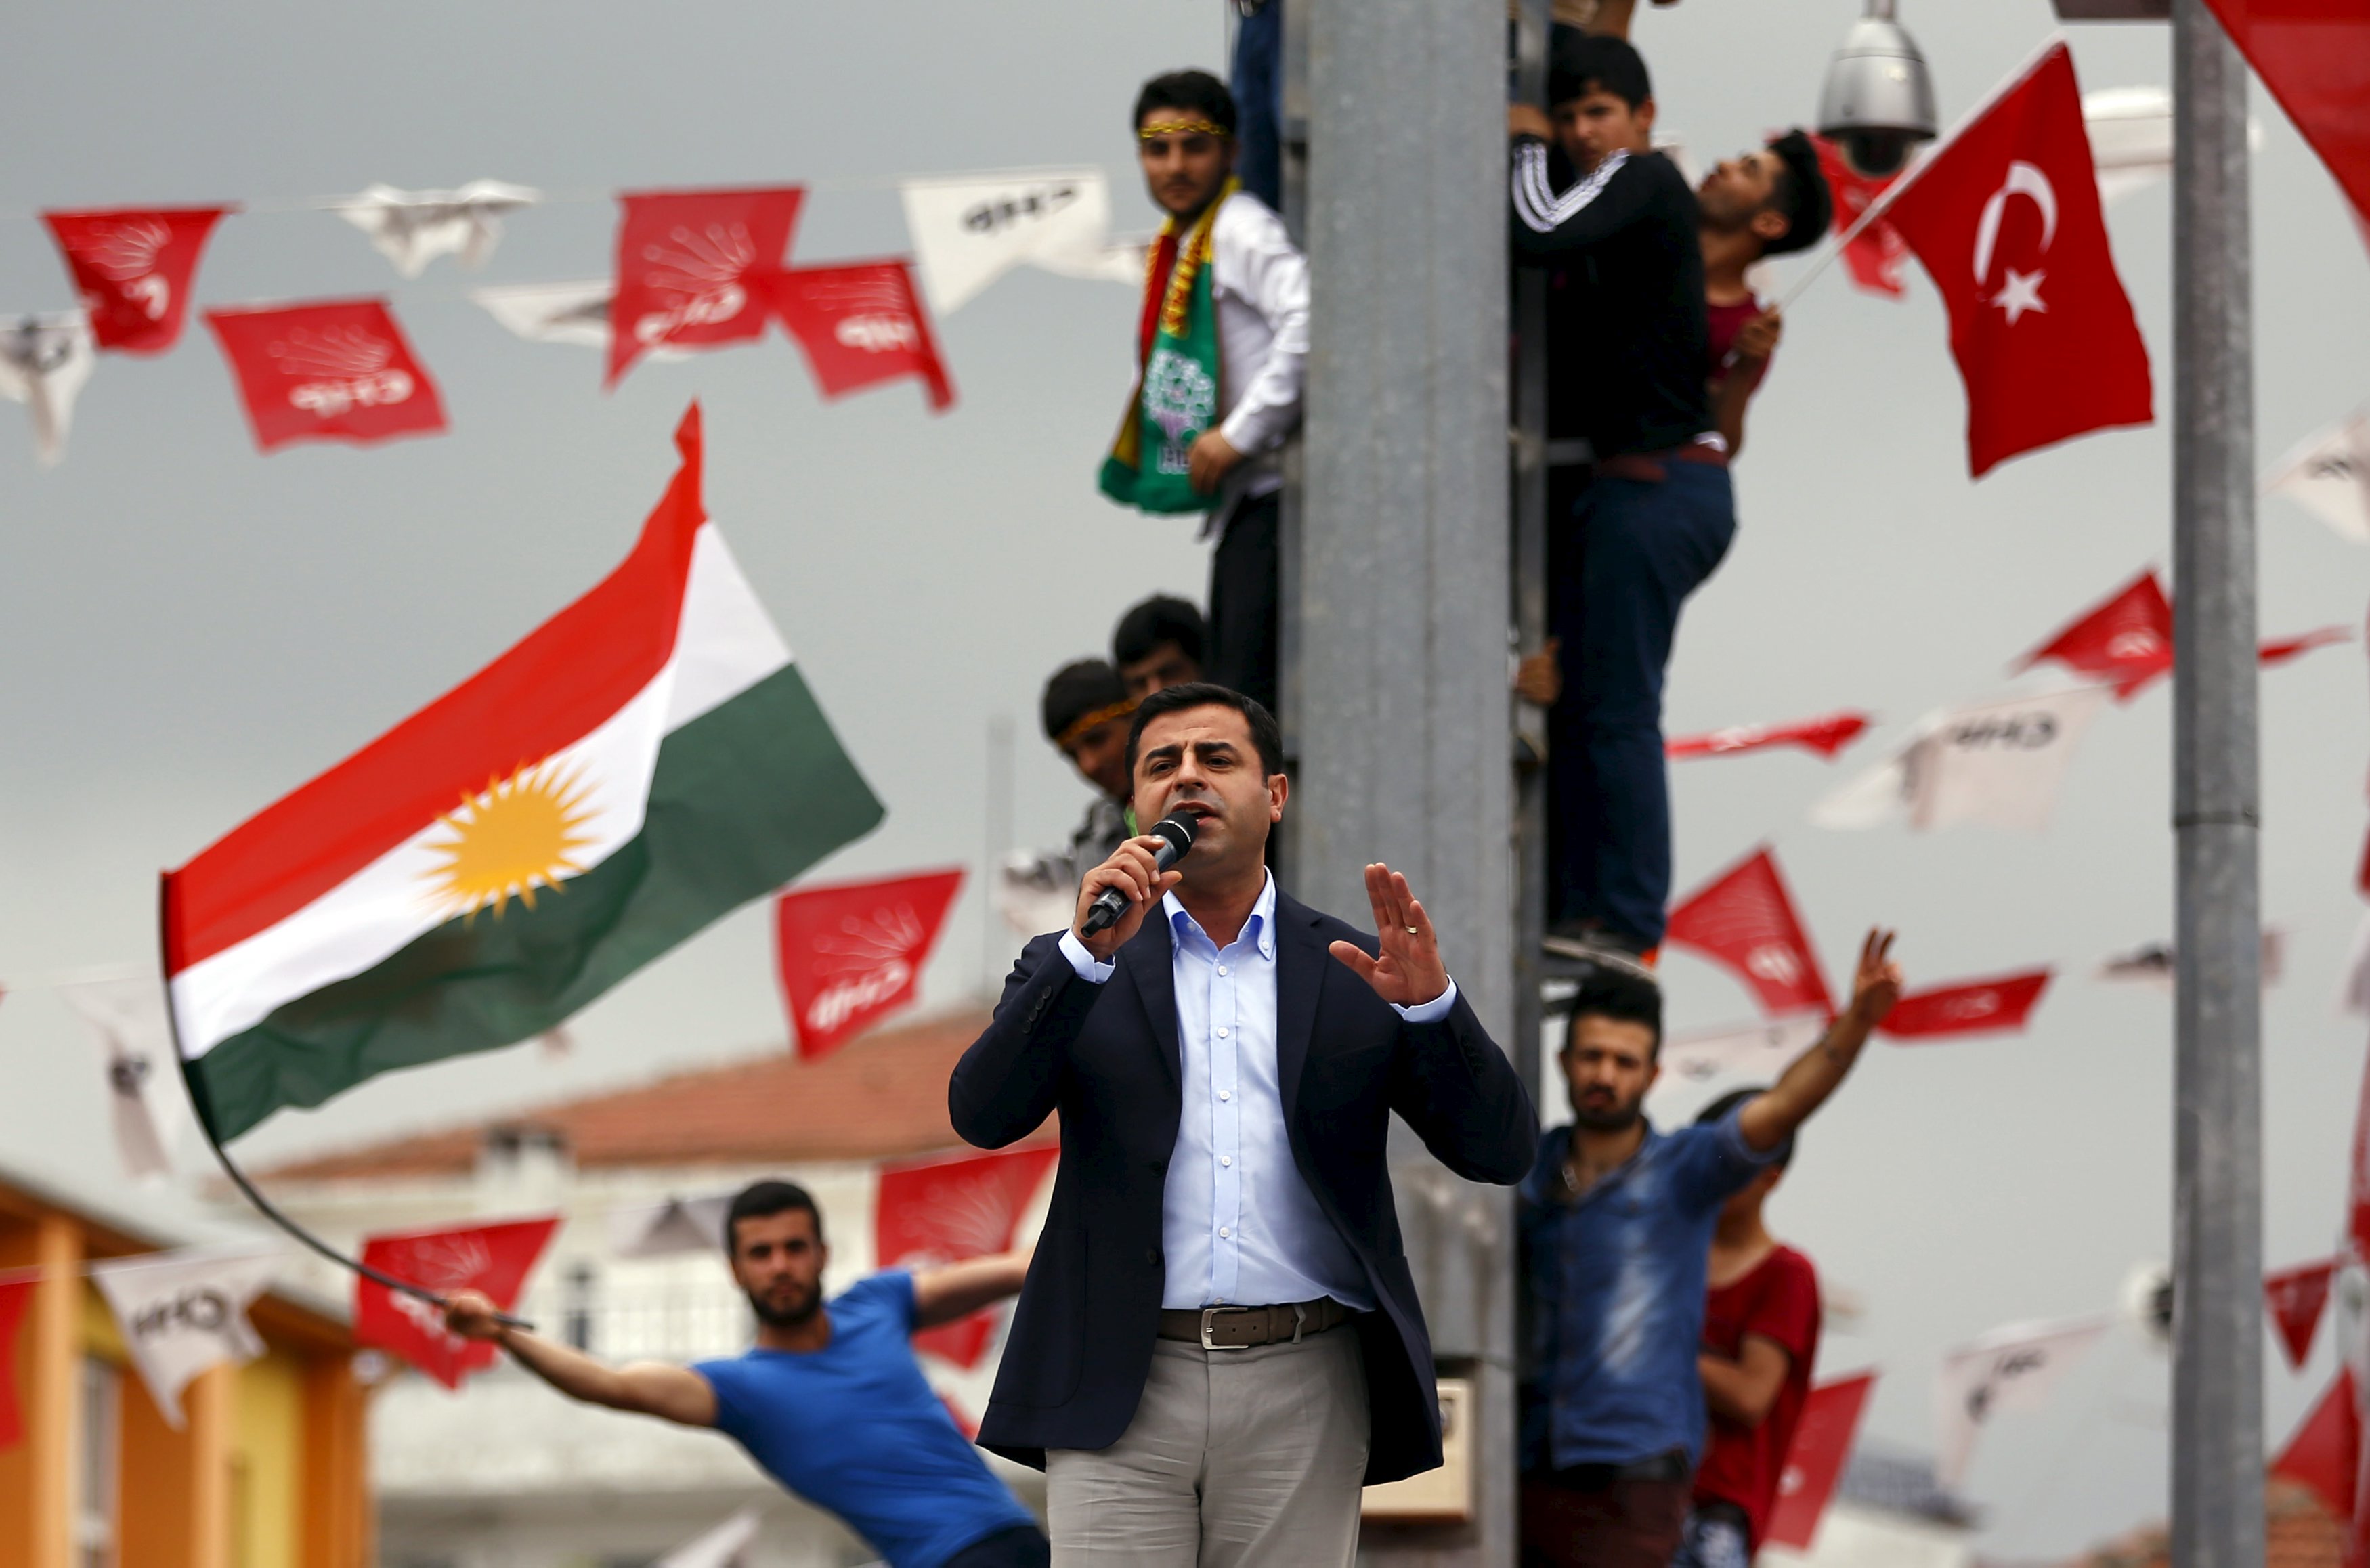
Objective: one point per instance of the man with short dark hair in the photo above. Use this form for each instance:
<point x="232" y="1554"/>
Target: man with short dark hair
<point x="830" y="1401"/>
<point x="1760" y="1344"/>
<point x="1616" y="1225"/>
<point x="1768" y="202"/>
<point x="1628" y="357"/>
<point x="1157" y="643"/>
<point x="1220" y="1340"/>
<point x="1085" y="712"/>
<point x="1222" y="351"/>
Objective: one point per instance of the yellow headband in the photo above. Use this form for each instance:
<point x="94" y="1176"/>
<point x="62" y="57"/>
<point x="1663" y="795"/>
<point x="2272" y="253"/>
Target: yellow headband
<point x="1181" y="128"/>
<point x="1085" y="722"/>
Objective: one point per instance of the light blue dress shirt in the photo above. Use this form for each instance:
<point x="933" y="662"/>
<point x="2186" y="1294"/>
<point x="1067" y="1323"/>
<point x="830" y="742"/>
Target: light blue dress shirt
<point x="1238" y="1225"/>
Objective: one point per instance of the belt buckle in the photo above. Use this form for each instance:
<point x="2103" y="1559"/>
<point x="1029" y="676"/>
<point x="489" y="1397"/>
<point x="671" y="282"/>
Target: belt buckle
<point x="1209" y="1312"/>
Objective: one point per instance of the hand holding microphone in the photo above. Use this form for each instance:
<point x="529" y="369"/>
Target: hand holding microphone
<point x="1115" y="895"/>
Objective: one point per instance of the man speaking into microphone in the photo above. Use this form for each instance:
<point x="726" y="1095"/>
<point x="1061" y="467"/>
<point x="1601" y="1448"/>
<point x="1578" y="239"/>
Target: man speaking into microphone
<point x="1219" y="1341"/>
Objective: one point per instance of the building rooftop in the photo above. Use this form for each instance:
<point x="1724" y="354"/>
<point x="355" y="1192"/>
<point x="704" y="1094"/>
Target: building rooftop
<point x="882" y="1095"/>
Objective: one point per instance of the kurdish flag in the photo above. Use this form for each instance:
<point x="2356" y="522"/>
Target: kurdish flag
<point x="647" y="761"/>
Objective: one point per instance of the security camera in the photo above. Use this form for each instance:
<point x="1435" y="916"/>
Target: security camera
<point x="1878" y="99"/>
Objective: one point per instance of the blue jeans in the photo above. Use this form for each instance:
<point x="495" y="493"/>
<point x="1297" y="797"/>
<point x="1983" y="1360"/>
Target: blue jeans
<point x="1258" y="87"/>
<point x="1619" y="569"/>
<point x="1713" y="1540"/>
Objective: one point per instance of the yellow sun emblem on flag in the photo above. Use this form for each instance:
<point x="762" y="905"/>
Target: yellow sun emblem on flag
<point x="516" y="835"/>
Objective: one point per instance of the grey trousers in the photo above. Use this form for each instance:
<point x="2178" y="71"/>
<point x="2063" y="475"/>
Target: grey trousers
<point x="1237" y="1459"/>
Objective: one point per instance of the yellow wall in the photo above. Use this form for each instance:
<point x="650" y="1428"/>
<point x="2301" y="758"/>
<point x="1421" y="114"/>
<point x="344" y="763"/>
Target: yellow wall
<point x="268" y="1454"/>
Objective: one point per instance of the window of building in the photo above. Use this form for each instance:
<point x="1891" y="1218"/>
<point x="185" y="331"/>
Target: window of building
<point x="102" y="1406"/>
<point x="576" y="1315"/>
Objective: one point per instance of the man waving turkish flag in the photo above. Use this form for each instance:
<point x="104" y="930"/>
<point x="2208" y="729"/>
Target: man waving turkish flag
<point x="2005" y="218"/>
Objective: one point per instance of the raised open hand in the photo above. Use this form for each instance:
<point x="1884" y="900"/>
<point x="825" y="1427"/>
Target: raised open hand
<point x="1877" y="984"/>
<point x="1408" y="973"/>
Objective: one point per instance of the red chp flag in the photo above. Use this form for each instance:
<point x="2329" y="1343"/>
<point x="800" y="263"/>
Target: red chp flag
<point x="1826" y="734"/>
<point x="132" y="268"/>
<point x="495" y="1259"/>
<point x="1874" y="257"/>
<point x="862" y="323"/>
<point x="854" y="953"/>
<point x="2358" y="1184"/>
<point x="942" y="1211"/>
<point x="2315" y="57"/>
<point x="693" y="267"/>
<point x="2281" y="650"/>
<point x="1745" y="920"/>
<point x="1974" y="1008"/>
<point x="1822" y="1442"/>
<point x="2126" y="641"/>
<point x="337" y="371"/>
<point x="2005" y="220"/>
<point x="2296" y="1297"/>
<point x="2324" y="1457"/>
<point x="16" y="1295"/>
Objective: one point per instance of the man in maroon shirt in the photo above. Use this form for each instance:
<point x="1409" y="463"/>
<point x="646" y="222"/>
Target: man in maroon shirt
<point x="1762" y="203"/>
<point x="1760" y="1338"/>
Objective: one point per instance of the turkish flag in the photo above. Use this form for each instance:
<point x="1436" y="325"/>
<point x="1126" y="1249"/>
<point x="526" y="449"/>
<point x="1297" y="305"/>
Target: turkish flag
<point x="495" y="1259"/>
<point x="132" y="268"/>
<point x="338" y="370"/>
<point x="692" y="268"/>
<point x="2126" y="641"/>
<point x="2357" y="1185"/>
<point x="1972" y="1007"/>
<point x="2285" y="648"/>
<point x="2005" y="220"/>
<point x="1826" y="734"/>
<point x="2315" y="57"/>
<point x="1874" y="257"/>
<point x="1822" y="1443"/>
<point x="862" y="323"/>
<point x="2295" y="1297"/>
<point x="935" y="1212"/>
<point x="16" y="1295"/>
<point x="853" y="953"/>
<point x="2325" y="1453"/>
<point x="1745" y="920"/>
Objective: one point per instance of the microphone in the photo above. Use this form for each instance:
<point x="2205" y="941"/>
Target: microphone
<point x="1174" y="832"/>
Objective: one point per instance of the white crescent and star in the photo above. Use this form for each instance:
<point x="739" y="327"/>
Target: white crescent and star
<point x="2020" y="291"/>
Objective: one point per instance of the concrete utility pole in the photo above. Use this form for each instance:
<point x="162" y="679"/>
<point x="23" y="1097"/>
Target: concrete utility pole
<point x="1403" y="715"/>
<point x="2218" y="1337"/>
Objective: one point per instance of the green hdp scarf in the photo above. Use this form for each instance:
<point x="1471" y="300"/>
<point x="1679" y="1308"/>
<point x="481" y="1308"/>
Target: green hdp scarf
<point x="1176" y="397"/>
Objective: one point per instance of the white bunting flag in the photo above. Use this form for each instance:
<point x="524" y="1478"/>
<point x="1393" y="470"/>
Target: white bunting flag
<point x="1035" y="893"/>
<point x="969" y="230"/>
<point x="1999" y="762"/>
<point x="2327" y="474"/>
<point x="412" y="228"/>
<point x="558" y="312"/>
<point x="2355" y="995"/>
<point x="44" y="360"/>
<point x="723" y="1547"/>
<point x="2153" y="963"/>
<point x="2131" y="138"/>
<point x="2009" y="1368"/>
<point x="1766" y="1048"/>
<point x="182" y="1312"/>
<point x="665" y="1230"/>
<point x="126" y="1015"/>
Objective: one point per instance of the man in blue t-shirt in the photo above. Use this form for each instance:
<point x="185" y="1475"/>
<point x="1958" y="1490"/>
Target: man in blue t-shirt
<point x="1616" y="1226"/>
<point x="830" y="1401"/>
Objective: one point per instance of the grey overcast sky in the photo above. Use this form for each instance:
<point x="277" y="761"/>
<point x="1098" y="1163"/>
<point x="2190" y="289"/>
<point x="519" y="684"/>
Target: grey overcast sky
<point x="188" y="629"/>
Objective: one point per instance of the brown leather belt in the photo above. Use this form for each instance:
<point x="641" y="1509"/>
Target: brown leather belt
<point x="1647" y="466"/>
<point x="1240" y="1328"/>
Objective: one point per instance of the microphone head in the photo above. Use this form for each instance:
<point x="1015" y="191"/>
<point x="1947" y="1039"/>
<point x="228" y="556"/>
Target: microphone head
<point x="1178" y="828"/>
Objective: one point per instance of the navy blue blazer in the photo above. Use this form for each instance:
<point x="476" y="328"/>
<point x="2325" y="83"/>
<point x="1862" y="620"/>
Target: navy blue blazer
<point x="1106" y="1057"/>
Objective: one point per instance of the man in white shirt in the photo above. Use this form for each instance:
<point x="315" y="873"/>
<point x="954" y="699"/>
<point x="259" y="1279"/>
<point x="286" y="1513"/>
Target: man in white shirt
<point x="1257" y="296"/>
<point x="1220" y="1341"/>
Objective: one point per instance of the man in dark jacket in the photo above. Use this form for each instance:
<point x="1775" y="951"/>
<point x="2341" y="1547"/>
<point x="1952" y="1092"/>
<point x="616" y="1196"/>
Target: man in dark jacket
<point x="1219" y="1341"/>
